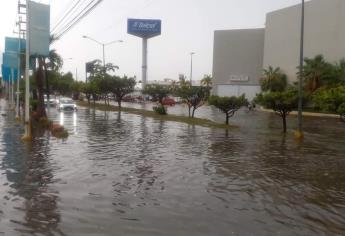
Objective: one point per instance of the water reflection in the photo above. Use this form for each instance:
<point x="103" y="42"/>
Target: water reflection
<point x="123" y="174"/>
<point x="30" y="200"/>
<point x="71" y="118"/>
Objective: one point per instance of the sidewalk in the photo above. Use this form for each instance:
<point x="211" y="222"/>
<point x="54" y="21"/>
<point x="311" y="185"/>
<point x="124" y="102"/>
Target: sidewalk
<point x="313" y="114"/>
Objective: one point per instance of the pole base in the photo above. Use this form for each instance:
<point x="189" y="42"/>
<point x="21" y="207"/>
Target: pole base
<point x="26" y="138"/>
<point x="299" y="134"/>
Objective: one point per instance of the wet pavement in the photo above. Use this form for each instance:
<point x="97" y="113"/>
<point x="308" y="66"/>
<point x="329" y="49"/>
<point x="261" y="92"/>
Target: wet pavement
<point x="124" y="174"/>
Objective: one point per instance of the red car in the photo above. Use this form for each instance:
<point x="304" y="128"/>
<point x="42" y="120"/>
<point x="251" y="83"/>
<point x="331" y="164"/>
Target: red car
<point x="168" y="102"/>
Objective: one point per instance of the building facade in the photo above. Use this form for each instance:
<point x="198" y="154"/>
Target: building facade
<point x="237" y="52"/>
<point x="237" y="62"/>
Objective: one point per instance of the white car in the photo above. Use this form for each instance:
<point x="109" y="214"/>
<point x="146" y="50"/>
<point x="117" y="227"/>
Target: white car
<point x="67" y="104"/>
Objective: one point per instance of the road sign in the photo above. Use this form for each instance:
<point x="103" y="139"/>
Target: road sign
<point x="7" y="73"/>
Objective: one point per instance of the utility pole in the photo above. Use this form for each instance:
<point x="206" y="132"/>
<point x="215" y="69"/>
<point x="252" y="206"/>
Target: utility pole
<point x="27" y="135"/>
<point x="299" y="133"/>
<point x="18" y="69"/>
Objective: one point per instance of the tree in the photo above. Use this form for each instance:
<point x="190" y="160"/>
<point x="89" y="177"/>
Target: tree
<point x="316" y="72"/>
<point x="282" y="103"/>
<point x="273" y="80"/>
<point x="193" y="96"/>
<point x="207" y="81"/>
<point x="120" y="87"/>
<point x="54" y="63"/>
<point x="77" y="87"/>
<point x="98" y="69"/>
<point x="330" y="100"/>
<point x="228" y="105"/>
<point x="104" y="84"/>
<point x="158" y="93"/>
<point x="88" y="89"/>
<point x="40" y="75"/>
<point x="65" y="83"/>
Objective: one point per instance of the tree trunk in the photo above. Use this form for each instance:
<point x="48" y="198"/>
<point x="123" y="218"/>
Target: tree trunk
<point x="41" y="111"/>
<point x="189" y="111"/>
<point x="94" y="100"/>
<point x="193" y="112"/>
<point x="227" y="119"/>
<point x="88" y="97"/>
<point x="119" y="103"/>
<point x="284" y="122"/>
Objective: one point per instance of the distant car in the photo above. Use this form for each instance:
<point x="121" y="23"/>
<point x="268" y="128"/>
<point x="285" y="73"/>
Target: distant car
<point x="67" y="104"/>
<point x="52" y="101"/>
<point x="168" y="102"/>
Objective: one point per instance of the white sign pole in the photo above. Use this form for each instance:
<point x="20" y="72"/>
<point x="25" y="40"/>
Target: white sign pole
<point x="27" y="135"/>
<point x="144" y="67"/>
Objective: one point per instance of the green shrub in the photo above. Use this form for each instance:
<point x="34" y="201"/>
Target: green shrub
<point x="160" y="110"/>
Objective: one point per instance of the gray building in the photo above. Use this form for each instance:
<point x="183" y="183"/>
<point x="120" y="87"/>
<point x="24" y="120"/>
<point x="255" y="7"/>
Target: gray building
<point x="238" y="61"/>
<point x="241" y="55"/>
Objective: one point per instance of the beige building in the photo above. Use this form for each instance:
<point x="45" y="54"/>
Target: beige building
<point x="241" y="55"/>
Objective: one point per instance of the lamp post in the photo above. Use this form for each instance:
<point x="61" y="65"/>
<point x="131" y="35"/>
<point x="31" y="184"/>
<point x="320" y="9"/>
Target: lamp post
<point x="103" y="45"/>
<point x="299" y="133"/>
<point x="191" y="67"/>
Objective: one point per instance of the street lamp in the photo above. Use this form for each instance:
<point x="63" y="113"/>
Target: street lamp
<point x="103" y="45"/>
<point x="191" y="67"/>
<point x="299" y="133"/>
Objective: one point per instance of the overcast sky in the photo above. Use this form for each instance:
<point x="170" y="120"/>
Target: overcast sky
<point x="187" y="25"/>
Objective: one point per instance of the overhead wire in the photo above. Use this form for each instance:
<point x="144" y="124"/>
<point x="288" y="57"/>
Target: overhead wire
<point x="86" y="10"/>
<point x="66" y="14"/>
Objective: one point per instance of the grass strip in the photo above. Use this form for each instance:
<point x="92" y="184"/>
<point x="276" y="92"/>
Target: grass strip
<point x="152" y="114"/>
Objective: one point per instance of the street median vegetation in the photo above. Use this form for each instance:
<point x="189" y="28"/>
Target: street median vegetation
<point x="155" y="115"/>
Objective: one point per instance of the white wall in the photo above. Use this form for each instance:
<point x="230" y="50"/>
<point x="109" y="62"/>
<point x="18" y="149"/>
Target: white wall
<point x="238" y="53"/>
<point x="250" y="91"/>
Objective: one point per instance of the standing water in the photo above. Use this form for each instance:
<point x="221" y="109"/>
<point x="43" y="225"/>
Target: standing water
<point x="124" y="174"/>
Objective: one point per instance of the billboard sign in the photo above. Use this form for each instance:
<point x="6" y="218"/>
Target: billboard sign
<point x="12" y="44"/>
<point x="144" y="28"/>
<point x="39" y="28"/>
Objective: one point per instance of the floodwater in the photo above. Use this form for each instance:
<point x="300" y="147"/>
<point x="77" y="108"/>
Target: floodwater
<point x="123" y="174"/>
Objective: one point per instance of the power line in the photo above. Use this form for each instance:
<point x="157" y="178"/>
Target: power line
<point x="78" y="18"/>
<point x="66" y="14"/>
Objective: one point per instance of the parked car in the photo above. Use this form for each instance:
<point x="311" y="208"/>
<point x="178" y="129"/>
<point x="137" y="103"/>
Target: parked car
<point x="67" y="104"/>
<point x="168" y="102"/>
<point x="128" y="98"/>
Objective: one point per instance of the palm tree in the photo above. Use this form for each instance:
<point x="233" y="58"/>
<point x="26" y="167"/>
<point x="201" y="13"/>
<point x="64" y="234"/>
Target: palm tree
<point x="207" y="81"/>
<point x="273" y="80"/>
<point x="54" y="61"/>
<point x="315" y="71"/>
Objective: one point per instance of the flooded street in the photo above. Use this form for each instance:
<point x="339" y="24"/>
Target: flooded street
<point x="124" y="174"/>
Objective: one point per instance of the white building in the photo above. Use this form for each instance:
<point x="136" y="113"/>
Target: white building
<point x="241" y="55"/>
